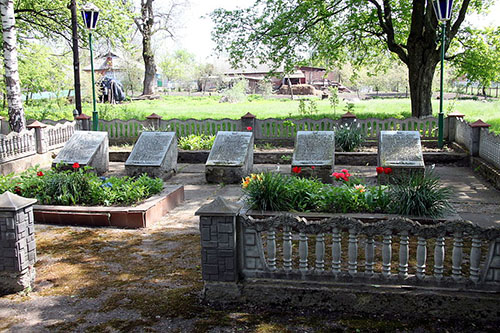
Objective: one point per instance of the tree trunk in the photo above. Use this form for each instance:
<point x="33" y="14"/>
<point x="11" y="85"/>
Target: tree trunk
<point x="420" y="77"/>
<point x="147" y="51"/>
<point x="149" y="67"/>
<point x="76" y="58"/>
<point x="16" y="112"/>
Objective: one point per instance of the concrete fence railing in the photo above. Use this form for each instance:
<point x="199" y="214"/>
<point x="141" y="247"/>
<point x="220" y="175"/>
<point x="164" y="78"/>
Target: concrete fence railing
<point x="240" y="248"/>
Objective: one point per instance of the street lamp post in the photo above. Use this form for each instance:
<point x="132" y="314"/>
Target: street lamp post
<point x="442" y="8"/>
<point x="90" y="15"/>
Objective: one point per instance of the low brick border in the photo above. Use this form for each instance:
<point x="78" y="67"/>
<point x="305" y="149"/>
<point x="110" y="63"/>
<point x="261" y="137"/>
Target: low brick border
<point x="140" y="216"/>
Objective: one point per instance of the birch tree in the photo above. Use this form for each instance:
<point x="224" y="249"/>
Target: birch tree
<point x="15" y="105"/>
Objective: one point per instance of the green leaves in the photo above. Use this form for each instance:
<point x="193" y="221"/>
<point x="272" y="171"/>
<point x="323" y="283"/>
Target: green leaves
<point x="80" y="187"/>
<point x="419" y="195"/>
<point x="416" y="195"/>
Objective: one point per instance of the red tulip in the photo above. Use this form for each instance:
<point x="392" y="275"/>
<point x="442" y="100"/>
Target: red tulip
<point x="387" y="171"/>
<point x="296" y="169"/>
<point x="39" y="173"/>
<point x="249" y="128"/>
<point x="380" y="170"/>
<point x="76" y="165"/>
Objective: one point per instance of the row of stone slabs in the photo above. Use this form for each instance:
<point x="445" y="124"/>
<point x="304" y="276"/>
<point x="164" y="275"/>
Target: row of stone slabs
<point x="231" y="157"/>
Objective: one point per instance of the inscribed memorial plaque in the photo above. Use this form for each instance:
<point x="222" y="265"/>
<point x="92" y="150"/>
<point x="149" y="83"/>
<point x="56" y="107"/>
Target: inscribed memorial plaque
<point x="87" y="148"/>
<point x="400" y="149"/>
<point x="154" y="153"/>
<point x="230" y="158"/>
<point x="314" y="154"/>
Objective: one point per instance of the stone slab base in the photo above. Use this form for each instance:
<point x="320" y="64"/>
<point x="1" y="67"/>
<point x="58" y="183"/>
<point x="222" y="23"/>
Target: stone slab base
<point x="341" y="158"/>
<point x="140" y="216"/>
<point x="13" y="282"/>
<point x="225" y="174"/>
<point x="361" y="300"/>
<point x="133" y="171"/>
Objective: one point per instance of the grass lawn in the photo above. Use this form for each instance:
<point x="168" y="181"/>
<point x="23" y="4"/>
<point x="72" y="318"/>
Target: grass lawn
<point x="184" y="107"/>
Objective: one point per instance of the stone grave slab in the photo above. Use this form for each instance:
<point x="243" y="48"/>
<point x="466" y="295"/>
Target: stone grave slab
<point x="401" y="151"/>
<point x="231" y="157"/>
<point x="87" y="148"/>
<point x="314" y="154"/>
<point x="154" y="153"/>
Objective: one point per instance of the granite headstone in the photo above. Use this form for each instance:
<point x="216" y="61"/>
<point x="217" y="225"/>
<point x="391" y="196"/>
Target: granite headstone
<point x="154" y="153"/>
<point x="314" y="154"/>
<point x="231" y="157"/>
<point x="401" y="151"/>
<point x="87" y="148"/>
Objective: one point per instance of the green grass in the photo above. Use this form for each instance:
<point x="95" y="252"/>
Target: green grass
<point x="184" y="107"/>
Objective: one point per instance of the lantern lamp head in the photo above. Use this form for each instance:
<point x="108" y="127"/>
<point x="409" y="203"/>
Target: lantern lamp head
<point x="442" y="8"/>
<point x="90" y="14"/>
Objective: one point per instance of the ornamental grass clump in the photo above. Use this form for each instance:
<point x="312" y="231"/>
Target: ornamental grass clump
<point x="77" y="186"/>
<point x="419" y="194"/>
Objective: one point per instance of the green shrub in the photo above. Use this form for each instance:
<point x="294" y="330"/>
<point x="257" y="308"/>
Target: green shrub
<point x="268" y="191"/>
<point x="79" y="187"/>
<point x="349" y="137"/>
<point x="419" y="195"/>
<point x="196" y="142"/>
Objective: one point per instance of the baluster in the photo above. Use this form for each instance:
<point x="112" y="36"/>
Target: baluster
<point x="271" y="249"/>
<point x="456" y="259"/>
<point x="369" y="255"/>
<point x="303" y="252"/>
<point x="439" y="258"/>
<point x="352" y="251"/>
<point x="421" y="257"/>
<point x="403" y="254"/>
<point x="475" y="258"/>
<point x="336" y="251"/>
<point x="386" y="255"/>
<point x="287" y="249"/>
<point x="320" y="252"/>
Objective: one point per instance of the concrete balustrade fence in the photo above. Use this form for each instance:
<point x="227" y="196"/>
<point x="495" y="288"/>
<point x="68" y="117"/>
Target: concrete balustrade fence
<point x="277" y="258"/>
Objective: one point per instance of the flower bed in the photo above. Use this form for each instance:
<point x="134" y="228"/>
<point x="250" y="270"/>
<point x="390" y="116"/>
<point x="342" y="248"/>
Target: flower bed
<point x="79" y="187"/>
<point x="79" y="197"/>
<point x="413" y="195"/>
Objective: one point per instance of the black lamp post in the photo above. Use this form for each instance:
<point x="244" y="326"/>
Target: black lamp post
<point x="442" y="8"/>
<point x="90" y="15"/>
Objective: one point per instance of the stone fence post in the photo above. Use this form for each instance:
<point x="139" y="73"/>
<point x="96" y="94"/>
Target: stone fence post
<point x="17" y="243"/>
<point x="347" y="118"/>
<point x="248" y="121"/>
<point x="41" y="142"/>
<point x="154" y="121"/>
<point x="83" y="122"/>
<point x="451" y="125"/>
<point x="476" y="136"/>
<point x="219" y="253"/>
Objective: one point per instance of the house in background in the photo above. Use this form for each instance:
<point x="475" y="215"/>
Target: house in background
<point x="113" y="66"/>
<point x="315" y="76"/>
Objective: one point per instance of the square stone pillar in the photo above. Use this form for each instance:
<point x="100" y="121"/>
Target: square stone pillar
<point x="451" y="125"/>
<point x="219" y="250"/>
<point x="476" y="136"/>
<point x="154" y="121"/>
<point x="83" y="122"/>
<point x="17" y="243"/>
<point x="41" y="141"/>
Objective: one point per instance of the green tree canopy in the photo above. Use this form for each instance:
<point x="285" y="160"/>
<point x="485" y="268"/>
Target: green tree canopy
<point x="480" y="60"/>
<point x="51" y="19"/>
<point x="289" y="31"/>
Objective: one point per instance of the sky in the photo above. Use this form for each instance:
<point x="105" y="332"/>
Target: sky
<point x="195" y="37"/>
